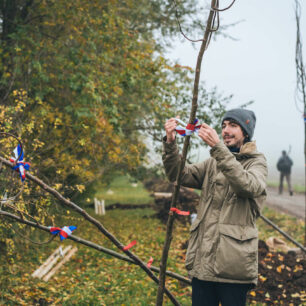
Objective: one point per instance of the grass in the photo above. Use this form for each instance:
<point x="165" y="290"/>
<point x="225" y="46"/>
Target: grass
<point x="122" y="191"/>
<point x="291" y="225"/>
<point x="296" y="187"/>
<point x="94" y="278"/>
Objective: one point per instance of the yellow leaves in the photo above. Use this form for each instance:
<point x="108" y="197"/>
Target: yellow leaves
<point x="280" y="268"/>
<point x="29" y="127"/>
<point x="262" y="278"/>
<point x="58" y="122"/>
<point x="58" y="186"/>
<point x="253" y="293"/>
<point x="80" y="188"/>
<point x="118" y="90"/>
<point x="37" y="144"/>
<point x="298" y="268"/>
<point x="295" y="295"/>
<point x="82" y="142"/>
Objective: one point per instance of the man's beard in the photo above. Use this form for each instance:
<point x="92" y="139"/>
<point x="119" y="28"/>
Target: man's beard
<point x="235" y="145"/>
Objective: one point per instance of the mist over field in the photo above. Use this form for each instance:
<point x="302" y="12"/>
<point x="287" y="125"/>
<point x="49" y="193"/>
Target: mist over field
<point x="259" y="66"/>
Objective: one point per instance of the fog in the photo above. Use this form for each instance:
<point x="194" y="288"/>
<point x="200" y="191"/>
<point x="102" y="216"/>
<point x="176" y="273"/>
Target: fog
<point x="259" y="66"/>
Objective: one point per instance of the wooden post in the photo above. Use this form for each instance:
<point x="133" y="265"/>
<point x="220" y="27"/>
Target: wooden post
<point x="103" y="207"/>
<point x="96" y="206"/>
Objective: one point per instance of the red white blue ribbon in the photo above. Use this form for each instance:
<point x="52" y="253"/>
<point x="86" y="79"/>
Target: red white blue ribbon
<point x="63" y="232"/>
<point x="20" y="166"/>
<point x="187" y="129"/>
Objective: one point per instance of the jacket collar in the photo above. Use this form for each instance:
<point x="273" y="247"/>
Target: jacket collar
<point x="247" y="149"/>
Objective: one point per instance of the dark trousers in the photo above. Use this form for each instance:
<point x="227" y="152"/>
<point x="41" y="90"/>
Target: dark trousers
<point x="211" y="293"/>
<point x="287" y="176"/>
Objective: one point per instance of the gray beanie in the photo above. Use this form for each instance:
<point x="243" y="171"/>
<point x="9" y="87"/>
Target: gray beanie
<point x="245" y="118"/>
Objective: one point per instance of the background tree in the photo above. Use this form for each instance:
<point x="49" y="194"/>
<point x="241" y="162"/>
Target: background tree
<point x="300" y="94"/>
<point x="83" y="84"/>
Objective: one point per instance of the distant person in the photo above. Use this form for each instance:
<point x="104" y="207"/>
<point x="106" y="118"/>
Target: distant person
<point x="222" y="254"/>
<point x="284" y="165"/>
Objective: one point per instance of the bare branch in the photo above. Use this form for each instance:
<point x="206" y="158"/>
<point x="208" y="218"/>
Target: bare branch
<point x="205" y="41"/>
<point x="95" y="222"/>
<point x="92" y="245"/>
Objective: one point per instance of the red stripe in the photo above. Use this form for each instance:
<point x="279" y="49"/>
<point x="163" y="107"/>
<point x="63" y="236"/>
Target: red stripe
<point x="179" y="212"/>
<point x="181" y="132"/>
<point x="64" y="234"/>
<point x="190" y="127"/>
<point x="53" y="229"/>
<point x="129" y="245"/>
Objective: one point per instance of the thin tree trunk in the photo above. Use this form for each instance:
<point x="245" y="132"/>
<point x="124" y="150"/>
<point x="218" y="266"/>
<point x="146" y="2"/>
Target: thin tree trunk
<point x="163" y="263"/>
<point x="300" y="81"/>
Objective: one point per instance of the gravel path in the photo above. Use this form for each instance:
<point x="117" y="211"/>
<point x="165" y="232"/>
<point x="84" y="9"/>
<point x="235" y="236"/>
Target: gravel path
<point x="292" y="205"/>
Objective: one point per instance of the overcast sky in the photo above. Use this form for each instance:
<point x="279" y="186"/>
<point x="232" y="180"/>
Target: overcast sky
<point x="260" y="66"/>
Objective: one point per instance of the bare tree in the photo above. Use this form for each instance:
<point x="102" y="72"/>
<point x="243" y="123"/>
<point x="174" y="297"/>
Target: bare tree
<point x="209" y="30"/>
<point x="300" y="94"/>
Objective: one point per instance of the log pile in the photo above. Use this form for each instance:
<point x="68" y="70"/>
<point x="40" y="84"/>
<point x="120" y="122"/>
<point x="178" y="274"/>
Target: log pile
<point x="162" y="192"/>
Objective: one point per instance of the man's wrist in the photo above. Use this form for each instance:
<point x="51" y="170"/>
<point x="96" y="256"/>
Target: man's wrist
<point x="169" y="139"/>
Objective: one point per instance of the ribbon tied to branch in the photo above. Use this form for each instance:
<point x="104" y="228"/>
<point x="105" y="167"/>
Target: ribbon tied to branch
<point x="20" y="165"/>
<point x="187" y="129"/>
<point x="179" y="212"/>
<point x="131" y="244"/>
<point x="63" y="232"/>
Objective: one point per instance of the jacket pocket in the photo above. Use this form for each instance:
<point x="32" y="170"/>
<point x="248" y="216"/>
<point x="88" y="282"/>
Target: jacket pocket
<point x="237" y="252"/>
<point x="192" y="244"/>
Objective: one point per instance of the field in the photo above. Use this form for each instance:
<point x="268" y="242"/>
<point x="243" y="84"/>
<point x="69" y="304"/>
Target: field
<point x="93" y="278"/>
<point x="299" y="188"/>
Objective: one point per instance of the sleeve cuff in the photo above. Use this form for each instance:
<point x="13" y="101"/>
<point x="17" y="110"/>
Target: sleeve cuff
<point x="169" y="147"/>
<point x="218" y="150"/>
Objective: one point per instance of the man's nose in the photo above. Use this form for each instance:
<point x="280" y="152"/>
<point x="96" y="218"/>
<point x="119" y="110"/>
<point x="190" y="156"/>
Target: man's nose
<point x="226" y="129"/>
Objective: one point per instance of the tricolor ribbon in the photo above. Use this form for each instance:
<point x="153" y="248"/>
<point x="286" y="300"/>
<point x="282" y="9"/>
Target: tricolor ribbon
<point x="129" y="245"/>
<point x="187" y="129"/>
<point x="63" y="232"/>
<point x="179" y="212"/>
<point x="149" y="263"/>
<point x="20" y="165"/>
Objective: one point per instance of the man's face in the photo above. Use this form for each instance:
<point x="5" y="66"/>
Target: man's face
<point x="232" y="134"/>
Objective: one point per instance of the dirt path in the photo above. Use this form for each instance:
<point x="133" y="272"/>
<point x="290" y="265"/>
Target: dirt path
<point x="292" y="205"/>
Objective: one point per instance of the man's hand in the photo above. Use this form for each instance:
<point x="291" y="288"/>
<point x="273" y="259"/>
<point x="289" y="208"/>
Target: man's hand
<point x="170" y="127"/>
<point x="209" y="135"/>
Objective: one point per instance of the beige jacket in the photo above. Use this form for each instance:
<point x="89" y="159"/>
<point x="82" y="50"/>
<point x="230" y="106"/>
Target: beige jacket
<point x="223" y="244"/>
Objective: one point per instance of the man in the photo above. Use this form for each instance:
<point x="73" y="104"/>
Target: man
<point x="284" y="165"/>
<point x="222" y="254"/>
